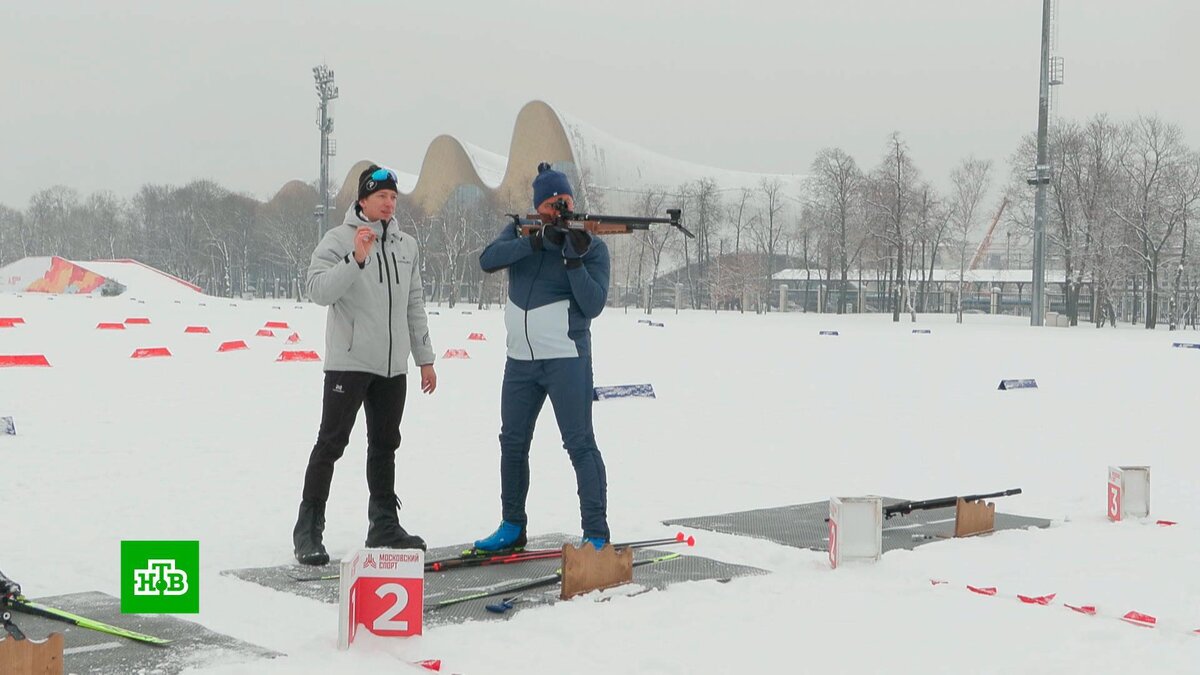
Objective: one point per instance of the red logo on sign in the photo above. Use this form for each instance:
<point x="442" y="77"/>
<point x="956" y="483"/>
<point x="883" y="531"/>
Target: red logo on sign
<point x="370" y="562"/>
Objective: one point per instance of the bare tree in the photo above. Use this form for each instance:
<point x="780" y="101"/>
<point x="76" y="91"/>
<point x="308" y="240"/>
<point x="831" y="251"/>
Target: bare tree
<point x="769" y="230"/>
<point x="1185" y="191"/>
<point x="1156" y="155"/>
<point x="288" y="222"/>
<point x="652" y="241"/>
<point x="891" y="195"/>
<point x="837" y="192"/>
<point x="969" y="182"/>
<point x="12" y="235"/>
<point x="738" y="217"/>
<point x="702" y="211"/>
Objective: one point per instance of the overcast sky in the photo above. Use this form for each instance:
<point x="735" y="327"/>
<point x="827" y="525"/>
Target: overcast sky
<point x="109" y="95"/>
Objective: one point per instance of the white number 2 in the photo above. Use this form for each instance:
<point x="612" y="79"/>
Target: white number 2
<point x="384" y="621"/>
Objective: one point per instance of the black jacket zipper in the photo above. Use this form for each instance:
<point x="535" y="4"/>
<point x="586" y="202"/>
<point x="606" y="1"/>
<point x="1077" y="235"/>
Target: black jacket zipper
<point x="383" y="249"/>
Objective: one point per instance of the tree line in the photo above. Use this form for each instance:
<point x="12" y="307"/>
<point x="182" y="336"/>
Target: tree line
<point x="1121" y="199"/>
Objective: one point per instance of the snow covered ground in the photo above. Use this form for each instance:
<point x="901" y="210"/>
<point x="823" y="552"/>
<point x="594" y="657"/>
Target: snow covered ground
<point x="752" y="412"/>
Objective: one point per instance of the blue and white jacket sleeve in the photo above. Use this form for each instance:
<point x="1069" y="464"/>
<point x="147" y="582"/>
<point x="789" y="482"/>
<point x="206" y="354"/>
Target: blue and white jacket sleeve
<point x="589" y="282"/>
<point x="506" y="249"/>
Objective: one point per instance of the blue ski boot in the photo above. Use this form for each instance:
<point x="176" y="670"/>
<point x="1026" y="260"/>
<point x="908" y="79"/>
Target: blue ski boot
<point x="597" y="542"/>
<point x="507" y="538"/>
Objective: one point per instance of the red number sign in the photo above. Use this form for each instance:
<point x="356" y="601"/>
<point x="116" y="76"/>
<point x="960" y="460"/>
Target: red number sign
<point x="382" y="590"/>
<point x="1114" y="494"/>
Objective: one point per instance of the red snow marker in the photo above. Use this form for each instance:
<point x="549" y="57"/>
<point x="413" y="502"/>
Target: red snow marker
<point x="1084" y="609"/>
<point x="275" y="324"/>
<point x="455" y="354"/>
<point x="196" y="329"/>
<point x="293" y="338"/>
<point x="290" y="355"/>
<point x="1166" y="523"/>
<point x="990" y="590"/>
<point x="1139" y="619"/>
<point x="140" y="320"/>
<point x="13" y="360"/>
<point x="11" y="319"/>
<point x="476" y="336"/>
<point x="7" y="323"/>
<point x="232" y="345"/>
<point x="1036" y="599"/>
<point x="430" y="664"/>
<point x="110" y="326"/>
<point x="149" y="352"/>
<point x="263" y="332"/>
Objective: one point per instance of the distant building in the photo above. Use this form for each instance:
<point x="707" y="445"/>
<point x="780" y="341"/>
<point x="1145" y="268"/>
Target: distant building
<point x="604" y="169"/>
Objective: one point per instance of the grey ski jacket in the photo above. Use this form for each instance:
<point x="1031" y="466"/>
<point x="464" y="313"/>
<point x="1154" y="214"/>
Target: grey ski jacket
<point x="377" y="312"/>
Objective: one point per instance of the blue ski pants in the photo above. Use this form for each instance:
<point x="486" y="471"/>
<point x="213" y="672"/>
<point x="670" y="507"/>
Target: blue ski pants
<point x="568" y="383"/>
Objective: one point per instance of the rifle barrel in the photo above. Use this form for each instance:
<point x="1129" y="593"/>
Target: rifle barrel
<point x="909" y="506"/>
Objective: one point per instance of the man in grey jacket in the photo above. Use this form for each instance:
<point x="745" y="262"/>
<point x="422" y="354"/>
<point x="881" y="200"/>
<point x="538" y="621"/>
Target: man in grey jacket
<point x="366" y="272"/>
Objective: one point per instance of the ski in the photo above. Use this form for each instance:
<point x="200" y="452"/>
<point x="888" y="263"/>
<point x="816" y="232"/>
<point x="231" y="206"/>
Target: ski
<point x="480" y="560"/>
<point x="22" y="604"/>
<point x="522" y="586"/>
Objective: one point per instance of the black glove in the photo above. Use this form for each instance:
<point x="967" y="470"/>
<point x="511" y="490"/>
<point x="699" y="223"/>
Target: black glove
<point x="554" y="235"/>
<point x="578" y="243"/>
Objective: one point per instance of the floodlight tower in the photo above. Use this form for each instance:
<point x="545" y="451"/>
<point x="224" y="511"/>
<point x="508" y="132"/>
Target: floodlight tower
<point x="326" y="92"/>
<point x="1051" y="74"/>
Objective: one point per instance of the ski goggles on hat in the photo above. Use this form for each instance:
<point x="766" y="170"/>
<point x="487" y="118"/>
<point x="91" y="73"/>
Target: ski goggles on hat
<point x="383" y="174"/>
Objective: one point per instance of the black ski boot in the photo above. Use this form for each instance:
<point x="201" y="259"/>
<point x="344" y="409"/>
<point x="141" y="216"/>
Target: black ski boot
<point x="385" y="530"/>
<point x="306" y="537"/>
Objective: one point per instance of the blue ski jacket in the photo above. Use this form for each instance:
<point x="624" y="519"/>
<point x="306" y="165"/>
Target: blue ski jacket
<point x="550" y="307"/>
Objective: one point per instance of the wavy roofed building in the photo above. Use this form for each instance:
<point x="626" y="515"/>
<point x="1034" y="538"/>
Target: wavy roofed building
<point x="602" y="168"/>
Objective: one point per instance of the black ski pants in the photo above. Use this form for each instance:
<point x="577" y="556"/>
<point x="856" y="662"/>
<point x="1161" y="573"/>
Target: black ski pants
<point x="346" y="392"/>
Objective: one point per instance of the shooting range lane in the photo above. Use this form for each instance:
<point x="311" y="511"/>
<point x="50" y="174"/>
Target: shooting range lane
<point x="466" y="581"/>
<point x="95" y="653"/>
<point x="804" y="526"/>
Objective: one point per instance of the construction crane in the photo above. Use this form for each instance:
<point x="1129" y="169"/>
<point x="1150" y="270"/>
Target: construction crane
<point x="981" y="252"/>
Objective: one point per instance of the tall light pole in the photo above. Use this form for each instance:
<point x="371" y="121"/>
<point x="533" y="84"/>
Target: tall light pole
<point x="1041" y="178"/>
<point x="326" y="92"/>
<point x="1051" y="75"/>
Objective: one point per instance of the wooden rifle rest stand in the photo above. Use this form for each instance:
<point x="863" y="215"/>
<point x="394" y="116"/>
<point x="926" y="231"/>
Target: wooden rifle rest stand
<point x="971" y="518"/>
<point x="585" y="569"/>
<point x="26" y="657"/>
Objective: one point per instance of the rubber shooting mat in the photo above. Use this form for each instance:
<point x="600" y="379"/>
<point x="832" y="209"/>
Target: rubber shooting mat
<point x="469" y="580"/>
<point x="804" y="526"/>
<point x="96" y="653"/>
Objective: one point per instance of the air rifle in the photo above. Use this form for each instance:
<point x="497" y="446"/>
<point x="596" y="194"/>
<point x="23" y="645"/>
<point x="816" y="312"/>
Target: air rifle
<point x="595" y="223"/>
<point x="906" y="507"/>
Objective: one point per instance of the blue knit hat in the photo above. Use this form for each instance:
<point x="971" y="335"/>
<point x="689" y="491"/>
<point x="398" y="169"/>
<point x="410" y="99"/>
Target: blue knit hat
<point x="549" y="183"/>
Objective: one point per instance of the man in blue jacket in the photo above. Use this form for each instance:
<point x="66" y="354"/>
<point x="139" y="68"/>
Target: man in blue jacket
<point x="558" y="283"/>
